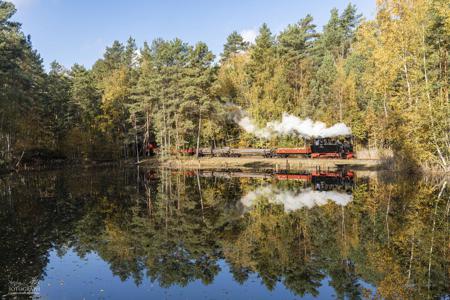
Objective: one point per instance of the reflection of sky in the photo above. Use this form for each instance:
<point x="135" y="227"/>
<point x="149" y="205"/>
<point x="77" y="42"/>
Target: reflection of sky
<point x="295" y="200"/>
<point x="70" y="277"/>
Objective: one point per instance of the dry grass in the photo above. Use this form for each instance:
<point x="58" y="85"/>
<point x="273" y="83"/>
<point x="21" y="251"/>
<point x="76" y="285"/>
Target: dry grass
<point x="258" y="163"/>
<point x="372" y="153"/>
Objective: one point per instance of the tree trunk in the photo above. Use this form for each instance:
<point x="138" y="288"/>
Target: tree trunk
<point x="432" y="232"/>
<point x="408" y="84"/>
<point x="425" y="72"/>
<point x="136" y="137"/>
<point x="340" y="104"/>
<point x="387" y="218"/>
<point x="177" y="138"/>
<point x="385" y="105"/>
<point x="8" y="147"/>
<point x="200" y="194"/>
<point x="149" y="199"/>
<point x="165" y="130"/>
<point x="198" y="132"/>
<point x="169" y="141"/>
<point x="147" y="133"/>
<point x="411" y="259"/>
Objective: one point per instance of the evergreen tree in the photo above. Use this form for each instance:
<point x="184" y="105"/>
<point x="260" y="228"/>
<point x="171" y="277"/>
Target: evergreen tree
<point x="295" y="44"/>
<point x="263" y="48"/>
<point x="22" y="91"/>
<point x="199" y="78"/>
<point x="235" y="44"/>
<point x="58" y="110"/>
<point x="144" y="104"/>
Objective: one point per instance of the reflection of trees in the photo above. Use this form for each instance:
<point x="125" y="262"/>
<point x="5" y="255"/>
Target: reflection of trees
<point x="36" y="214"/>
<point x="396" y="234"/>
<point x="392" y="235"/>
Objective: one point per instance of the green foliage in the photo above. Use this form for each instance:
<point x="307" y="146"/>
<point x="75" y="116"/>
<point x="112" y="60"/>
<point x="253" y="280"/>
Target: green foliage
<point x="235" y="44"/>
<point x="386" y="78"/>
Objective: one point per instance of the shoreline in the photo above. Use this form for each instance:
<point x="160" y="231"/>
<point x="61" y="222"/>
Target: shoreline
<point x="258" y="163"/>
<point x="51" y="166"/>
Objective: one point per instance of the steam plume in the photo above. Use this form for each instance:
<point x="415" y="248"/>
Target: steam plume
<point x="290" y="124"/>
<point x="293" y="201"/>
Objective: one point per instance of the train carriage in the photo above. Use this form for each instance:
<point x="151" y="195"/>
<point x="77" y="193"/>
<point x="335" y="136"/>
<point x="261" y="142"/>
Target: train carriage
<point x="238" y="152"/>
<point x="318" y="148"/>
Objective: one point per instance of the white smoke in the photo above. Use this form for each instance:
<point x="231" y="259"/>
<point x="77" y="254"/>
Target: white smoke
<point x="294" y="201"/>
<point x="290" y="124"/>
<point x="249" y="126"/>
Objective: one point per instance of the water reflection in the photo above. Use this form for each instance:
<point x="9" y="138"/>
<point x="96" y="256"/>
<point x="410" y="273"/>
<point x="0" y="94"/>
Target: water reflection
<point x="293" y="201"/>
<point x="309" y="233"/>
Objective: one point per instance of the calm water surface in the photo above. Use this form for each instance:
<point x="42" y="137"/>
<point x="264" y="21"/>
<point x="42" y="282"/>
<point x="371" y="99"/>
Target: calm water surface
<point x="128" y="234"/>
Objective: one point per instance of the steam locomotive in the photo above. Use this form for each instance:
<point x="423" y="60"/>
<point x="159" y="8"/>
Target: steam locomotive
<point x="318" y="148"/>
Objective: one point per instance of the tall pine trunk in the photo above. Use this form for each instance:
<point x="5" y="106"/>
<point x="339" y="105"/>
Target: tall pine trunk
<point x="146" y="134"/>
<point x="198" y="132"/>
<point x="165" y="130"/>
<point x="136" y="137"/>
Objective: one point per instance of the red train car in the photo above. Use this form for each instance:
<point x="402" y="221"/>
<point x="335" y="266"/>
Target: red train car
<point x="292" y="151"/>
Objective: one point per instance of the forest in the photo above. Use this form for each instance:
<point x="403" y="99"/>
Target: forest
<point x="386" y="78"/>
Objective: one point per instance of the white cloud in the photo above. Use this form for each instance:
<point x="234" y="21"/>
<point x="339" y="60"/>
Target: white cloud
<point x="249" y="35"/>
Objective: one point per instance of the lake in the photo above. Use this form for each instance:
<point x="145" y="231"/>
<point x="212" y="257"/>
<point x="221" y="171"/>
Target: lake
<point x="116" y="233"/>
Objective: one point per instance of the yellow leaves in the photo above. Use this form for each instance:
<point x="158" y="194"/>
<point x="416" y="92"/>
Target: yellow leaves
<point x="400" y="75"/>
<point x="115" y="88"/>
<point x="442" y="7"/>
<point x="116" y="91"/>
<point x="231" y="78"/>
<point x="393" y="41"/>
<point x="118" y="240"/>
<point x="393" y="284"/>
<point x="239" y="251"/>
<point x="366" y="38"/>
<point x="262" y="96"/>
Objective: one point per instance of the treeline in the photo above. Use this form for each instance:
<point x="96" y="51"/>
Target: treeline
<point x="386" y="78"/>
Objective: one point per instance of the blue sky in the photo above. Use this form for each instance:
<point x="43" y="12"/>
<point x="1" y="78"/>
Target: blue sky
<point x="77" y="31"/>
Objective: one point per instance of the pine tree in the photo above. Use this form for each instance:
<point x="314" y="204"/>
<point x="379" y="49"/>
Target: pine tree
<point x="85" y="96"/>
<point x="58" y="111"/>
<point x="321" y="89"/>
<point x="144" y="102"/>
<point x="235" y="44"/>
<point x="199" y="78"/>
<point x="294" y="45"/>
<point x="22" y="94"/>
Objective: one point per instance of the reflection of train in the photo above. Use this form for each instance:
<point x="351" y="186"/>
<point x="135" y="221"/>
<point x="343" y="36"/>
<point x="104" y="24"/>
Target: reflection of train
<point x="325" y="181"/>
<point x="314" y="176"/>
<point x="319" y="147"/>
<point x="322" y="180"/>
